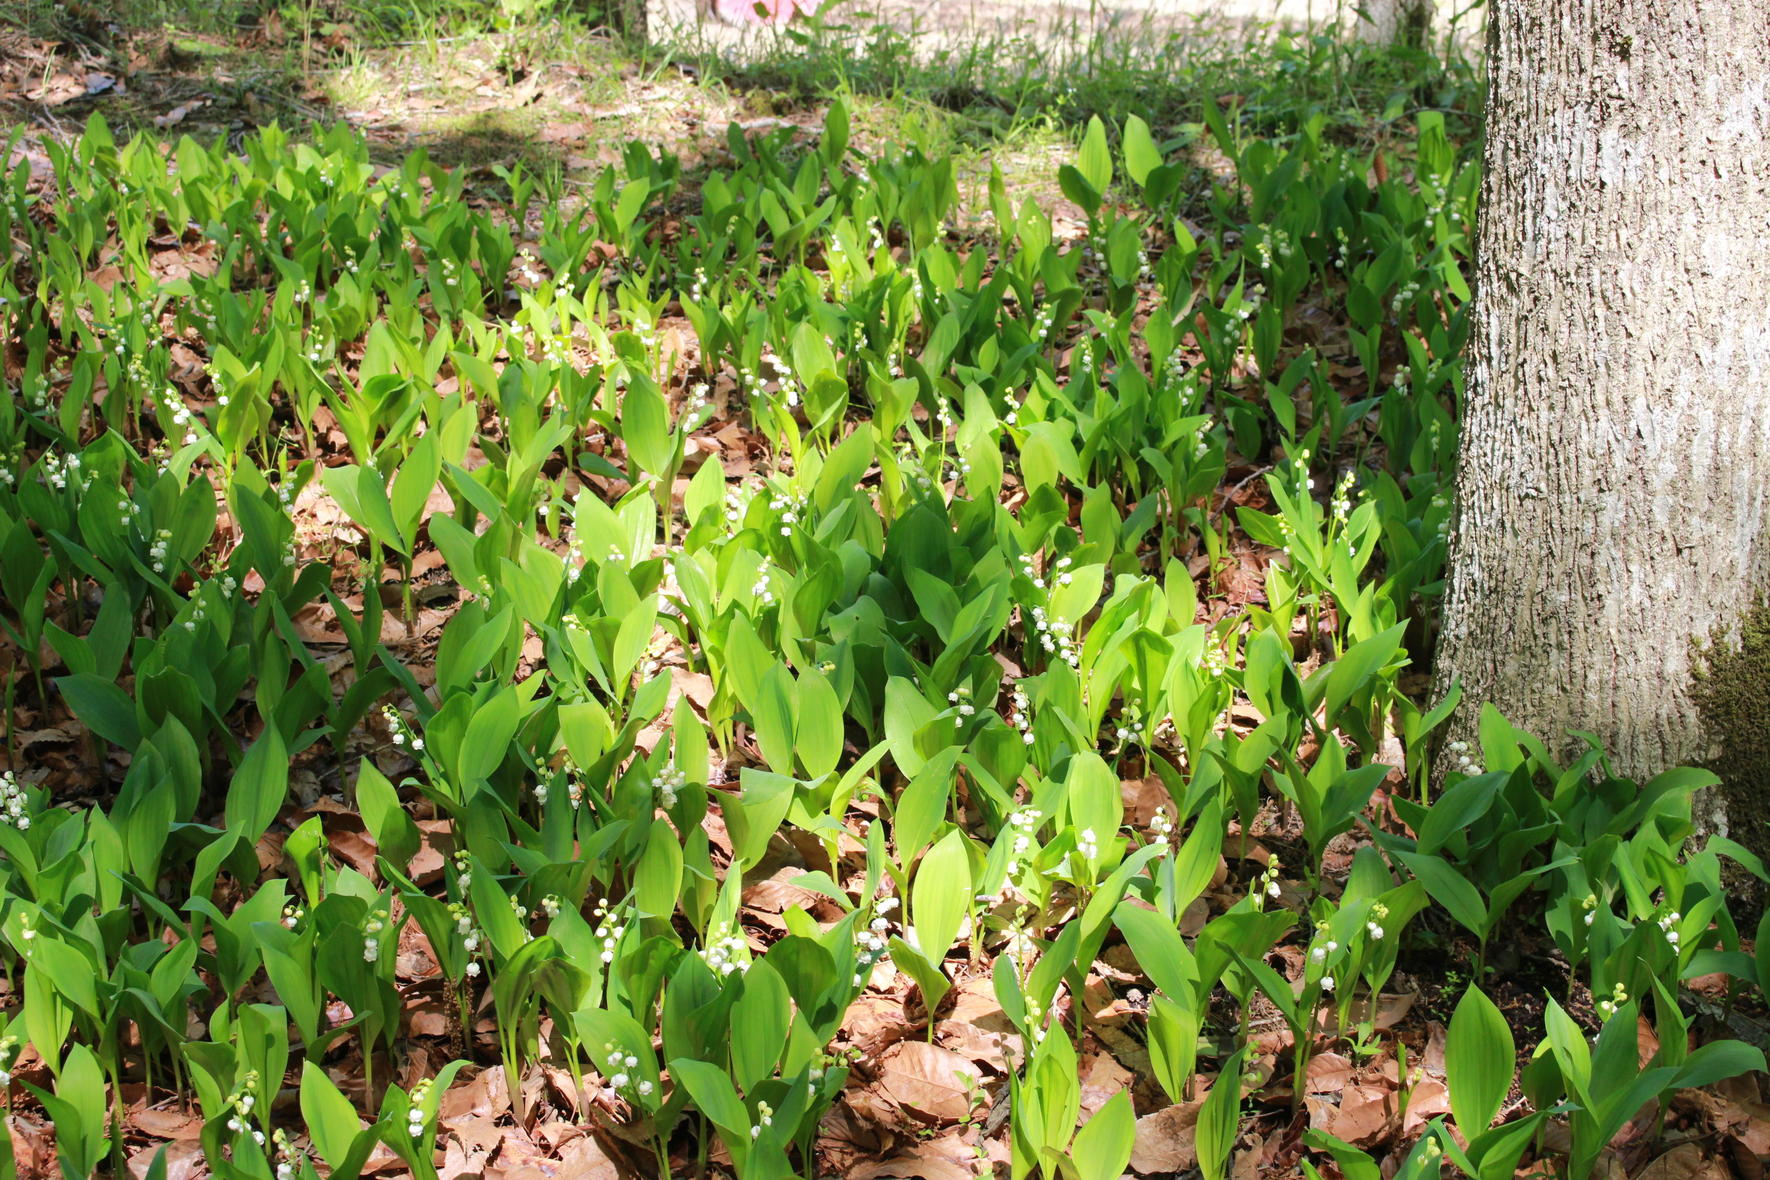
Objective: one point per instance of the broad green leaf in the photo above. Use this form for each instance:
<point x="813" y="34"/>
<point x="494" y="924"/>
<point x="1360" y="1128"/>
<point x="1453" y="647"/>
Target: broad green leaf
<point x="102" y="707"/>
<point x="1449" y="889"/>
<point x="1142" y="156"/>
<point x="659" y="875"/>
<point x="1094" y="160"/>
<point x="259" y="786"/>
<point x="1103" y="1146"/>
<point x="1479" y="1058"/>
<point x="395" y="833"/>
<point x="759" y="1025"/>
<point x="942" y="896"/>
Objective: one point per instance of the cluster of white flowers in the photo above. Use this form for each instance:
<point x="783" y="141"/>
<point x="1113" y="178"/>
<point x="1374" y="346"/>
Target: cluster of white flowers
<point x="157" y="552"/>
<point x="869" y="943"/>
<point x="726" y="951"/>
<point x="198" y="614"/>
<point x="400" y="732"/>
<point x="960" y="699"/>
<point x="699" y="404"/>
<point x="764" y="1118"/>
<point x="59" y="471"/>
<point x="1404" y="295"/>
<point x="1013" y="406"/>
<point x="289" y="1160"/>
<point x="1056" y="636"/>
<point x="1130" y="728"/>
<point x="1020" y="713"/>
<point x="1161" y="826"/>
<point x="1250" y="302"/>
<point x="1266" y="885"/>
<point x="791" y="509"/>
<point x="1374" y="926"/>
<point x="1619" y="996"/>
<point x="1273" y="243"/>
<point x="240" y="1104"/>
<point x="621" y="1065"/>
<point x="737" y="501"/>
<point x="15" y="802"/>
<point x="1590" y="906"/>
<point x="574" y="781"/>
<point x="1465" y="761"/>
<point x="1215" y="661"/>
<point x="665" y="786"/>
<point x="1023" y="822"/>
<point x="761" y="591"/>
<point x="1320" y="956"/>
<point x="609" y="928"/>
<point x="470" y="935"/>
<point x="1035" y="1021"/>
<point x="1668" y="926"/>
<point x="292" y="915"/>
<point x="1341" y="504"/>
<point x="372" y="935"/>
<point x="414" y="1115"/>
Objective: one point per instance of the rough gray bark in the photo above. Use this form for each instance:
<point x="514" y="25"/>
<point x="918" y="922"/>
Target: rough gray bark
<point x="1614" y="484"/>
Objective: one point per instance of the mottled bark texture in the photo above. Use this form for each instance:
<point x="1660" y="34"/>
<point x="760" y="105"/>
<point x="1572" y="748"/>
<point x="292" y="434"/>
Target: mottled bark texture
<point x="1614" y="485"/>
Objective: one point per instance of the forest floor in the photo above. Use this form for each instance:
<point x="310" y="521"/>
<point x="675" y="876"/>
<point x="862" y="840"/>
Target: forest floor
<point x="928" y="1096"/>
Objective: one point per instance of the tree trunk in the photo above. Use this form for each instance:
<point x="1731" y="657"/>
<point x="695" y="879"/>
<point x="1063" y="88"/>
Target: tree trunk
<point x="1395" y="22"/>
<point x="1614" y="479"/>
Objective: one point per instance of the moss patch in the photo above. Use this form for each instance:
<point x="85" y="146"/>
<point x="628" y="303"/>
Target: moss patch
<point x="1731" y="690"/>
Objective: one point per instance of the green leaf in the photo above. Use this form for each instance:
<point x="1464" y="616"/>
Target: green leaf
<point x="942" y="895"/>
<point x="259" y="786"/>
<point x="659" y="875"/>
<point x="1479" y="1057"/>
<point x="306" y="848"/>
<point x="756" y="814"/>
<point x="759" y="1024"/>
<point x="1450" y="889"/>
<point x="1159" y="950"/>
<point x="489" y="735"/>
<point x="102" y="707"/>
<point x="1717" y="1061"/>
<point x="396" y="835"/>
<point x="1142" y="157"/>
<point x="645" y="427"/>
<point x="1219" y="1117"/>
<point x="1103" y="1146"/>
<point x="1094" y="161"/>
<point x="1457" y="808"/>
<point x="1354" y="670"/>
<point x="817" y="724"/>
<point x="906" y="712"/>
<point x="772" y="716"/>
<point x="712" y="1093"/>
<point x="332" y="1121"/>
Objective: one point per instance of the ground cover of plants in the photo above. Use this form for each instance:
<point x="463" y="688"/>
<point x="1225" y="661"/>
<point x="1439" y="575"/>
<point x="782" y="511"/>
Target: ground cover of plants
<point x="767" y="667"/>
